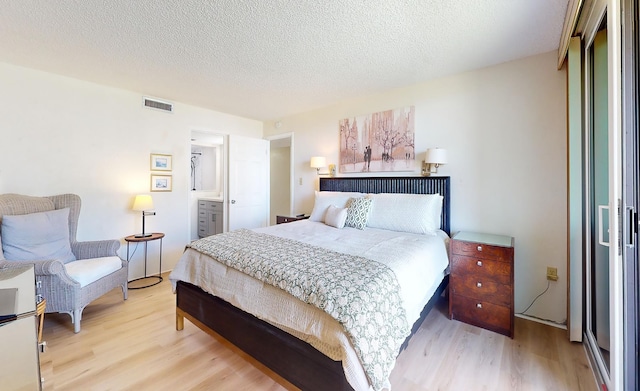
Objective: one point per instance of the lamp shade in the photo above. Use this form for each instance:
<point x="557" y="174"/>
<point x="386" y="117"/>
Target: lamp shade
<point x="143" y="202"/>
<point x="318" y="162"/>
<point x="436" y="156"/>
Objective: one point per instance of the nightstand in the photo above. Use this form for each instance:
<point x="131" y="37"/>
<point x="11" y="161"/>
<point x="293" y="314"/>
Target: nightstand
<point x="288" y="219"/>
<point x="481" y="281"/>
<point x="145" y="239"/>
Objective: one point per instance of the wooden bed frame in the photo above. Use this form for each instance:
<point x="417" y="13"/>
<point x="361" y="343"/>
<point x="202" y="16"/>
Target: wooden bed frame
<point x="289" y="360"/>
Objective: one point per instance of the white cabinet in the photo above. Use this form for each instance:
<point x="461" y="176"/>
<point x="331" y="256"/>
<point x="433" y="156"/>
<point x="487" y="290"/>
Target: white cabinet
<point x="19" y="358"/>
<point x="210" y="217"/>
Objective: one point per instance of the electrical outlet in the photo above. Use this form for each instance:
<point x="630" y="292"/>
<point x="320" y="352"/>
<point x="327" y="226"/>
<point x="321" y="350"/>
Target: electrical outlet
<point x="552" y="273"/>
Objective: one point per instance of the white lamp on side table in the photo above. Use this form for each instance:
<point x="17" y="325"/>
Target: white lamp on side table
<point x="143" y="203"/>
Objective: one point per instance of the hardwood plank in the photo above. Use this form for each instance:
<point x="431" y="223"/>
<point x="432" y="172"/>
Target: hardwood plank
<point x="133" y="345"/>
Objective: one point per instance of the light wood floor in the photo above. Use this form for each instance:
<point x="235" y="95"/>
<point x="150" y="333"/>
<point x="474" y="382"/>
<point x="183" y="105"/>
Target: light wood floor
<point x="133" y="345"/>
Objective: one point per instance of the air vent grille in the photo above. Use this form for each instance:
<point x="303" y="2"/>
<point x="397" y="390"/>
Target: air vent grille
<point x="158" y="105"/>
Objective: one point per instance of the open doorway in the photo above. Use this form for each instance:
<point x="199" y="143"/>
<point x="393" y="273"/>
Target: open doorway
<point x="206" y="181"/>
<point x="281" y="176"/>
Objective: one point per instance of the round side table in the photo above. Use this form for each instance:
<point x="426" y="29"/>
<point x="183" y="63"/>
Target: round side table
<point x="156" y="279"/>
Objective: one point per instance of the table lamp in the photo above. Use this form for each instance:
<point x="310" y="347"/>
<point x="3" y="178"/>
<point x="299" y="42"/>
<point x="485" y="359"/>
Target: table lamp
<point x="143" y="203"/>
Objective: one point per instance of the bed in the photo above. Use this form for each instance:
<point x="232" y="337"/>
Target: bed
<point x="290" y="355"/>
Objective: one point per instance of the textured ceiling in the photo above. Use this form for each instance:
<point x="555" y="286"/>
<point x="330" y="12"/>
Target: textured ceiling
<point x="266" y="59"/>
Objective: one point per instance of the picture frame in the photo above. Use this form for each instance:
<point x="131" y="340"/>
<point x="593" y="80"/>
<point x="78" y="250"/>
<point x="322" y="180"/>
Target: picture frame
<point x="378" y="142"/>
<point x="160" y="162"/>
<point x="161" y="182"/>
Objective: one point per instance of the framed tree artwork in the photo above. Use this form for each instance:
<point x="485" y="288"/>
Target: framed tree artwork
<point x="378" y="142"/>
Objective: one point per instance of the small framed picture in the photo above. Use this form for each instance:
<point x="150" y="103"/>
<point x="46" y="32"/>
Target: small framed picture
<point x="161" y="182"/>
<point x="161" y="162"/>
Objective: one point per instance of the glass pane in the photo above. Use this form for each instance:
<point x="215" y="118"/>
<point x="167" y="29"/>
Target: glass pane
<point x="599" y="194"/>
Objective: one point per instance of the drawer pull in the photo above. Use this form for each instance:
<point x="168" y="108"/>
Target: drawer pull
<point x="479" y="263"/>
<point x="479" y="284"/>
<point x="479" y="248"/>
<point x="479" y="305"/>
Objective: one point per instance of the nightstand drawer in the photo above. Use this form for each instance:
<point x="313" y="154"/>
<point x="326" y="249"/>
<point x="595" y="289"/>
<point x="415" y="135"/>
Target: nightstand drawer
<point x="482" y="313"/>
<point x="480" y="250"/>
<point x="481" y="288"/>
<point x="499" y="272"/>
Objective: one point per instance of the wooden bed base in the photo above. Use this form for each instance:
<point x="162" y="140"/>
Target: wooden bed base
<point x="287" y="359"/>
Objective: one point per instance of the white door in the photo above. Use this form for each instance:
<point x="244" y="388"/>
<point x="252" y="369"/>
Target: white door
<point x="248" y="198"/>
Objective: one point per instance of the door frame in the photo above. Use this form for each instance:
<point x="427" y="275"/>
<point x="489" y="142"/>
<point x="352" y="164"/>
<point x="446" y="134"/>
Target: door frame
<point x="616" y="276"/>
<point x="602" y="371"/>
<point x="221" y="162"/>
<point x="290" y="136"/>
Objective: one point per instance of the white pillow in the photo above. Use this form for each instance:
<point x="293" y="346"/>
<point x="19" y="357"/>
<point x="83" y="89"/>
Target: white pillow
<point x="413" y="213"/>
<point x="37" y="236"/>
<point x="325" y="198"/>
<point x="335" y="216"/>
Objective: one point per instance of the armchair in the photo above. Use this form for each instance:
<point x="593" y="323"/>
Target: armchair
<point x="68" y="287"/>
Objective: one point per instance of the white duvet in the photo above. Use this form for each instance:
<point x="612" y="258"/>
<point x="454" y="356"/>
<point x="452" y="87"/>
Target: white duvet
<point x="419" y="262"/>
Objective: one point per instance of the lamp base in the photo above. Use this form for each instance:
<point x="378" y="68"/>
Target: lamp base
<point x="141" y="235"/>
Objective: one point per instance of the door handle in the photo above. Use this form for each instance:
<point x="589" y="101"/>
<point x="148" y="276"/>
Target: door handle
<point x="233" y="201"/>
<point x="600" y="233"/>
<point x="633" y="226"/>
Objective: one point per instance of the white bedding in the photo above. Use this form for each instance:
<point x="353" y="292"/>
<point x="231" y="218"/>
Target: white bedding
<point x="419" y="262"/>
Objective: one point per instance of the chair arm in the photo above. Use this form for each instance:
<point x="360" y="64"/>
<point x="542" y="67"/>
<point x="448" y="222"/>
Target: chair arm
<point x="40" y="268"/>
<point x="95" y="249"/>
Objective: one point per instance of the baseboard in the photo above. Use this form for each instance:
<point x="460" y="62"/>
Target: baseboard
<point x="547" y="322"/>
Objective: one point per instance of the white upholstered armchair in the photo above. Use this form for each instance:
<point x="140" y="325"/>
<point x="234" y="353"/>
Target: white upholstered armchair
<point x="72" y="273"/>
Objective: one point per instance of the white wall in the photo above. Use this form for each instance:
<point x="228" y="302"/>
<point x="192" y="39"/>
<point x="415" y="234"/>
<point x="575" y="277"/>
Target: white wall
<point x="62" y="135"/>
<point x="505" y="130"/>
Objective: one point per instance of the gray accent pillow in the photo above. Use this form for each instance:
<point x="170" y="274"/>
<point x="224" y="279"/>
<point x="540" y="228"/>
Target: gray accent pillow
<point x="37" y="236"/>
<point x="358" y="212"/>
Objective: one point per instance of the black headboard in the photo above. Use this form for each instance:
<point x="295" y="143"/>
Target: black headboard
<point x="412" y="185"/>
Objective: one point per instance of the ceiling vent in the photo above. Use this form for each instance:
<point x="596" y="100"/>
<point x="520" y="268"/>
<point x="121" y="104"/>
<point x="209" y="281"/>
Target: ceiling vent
<point x="157" y="104"/>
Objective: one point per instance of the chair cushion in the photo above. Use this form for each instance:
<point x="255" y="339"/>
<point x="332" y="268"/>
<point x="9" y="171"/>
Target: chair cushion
<point x="86" y="271"/>
<point x="37" y="236"/>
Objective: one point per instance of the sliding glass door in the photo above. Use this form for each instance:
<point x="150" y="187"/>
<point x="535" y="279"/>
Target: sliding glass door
<point x="607" y="60"/>
<point x="598" y="329"/>
<point x="631" y="193"/>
